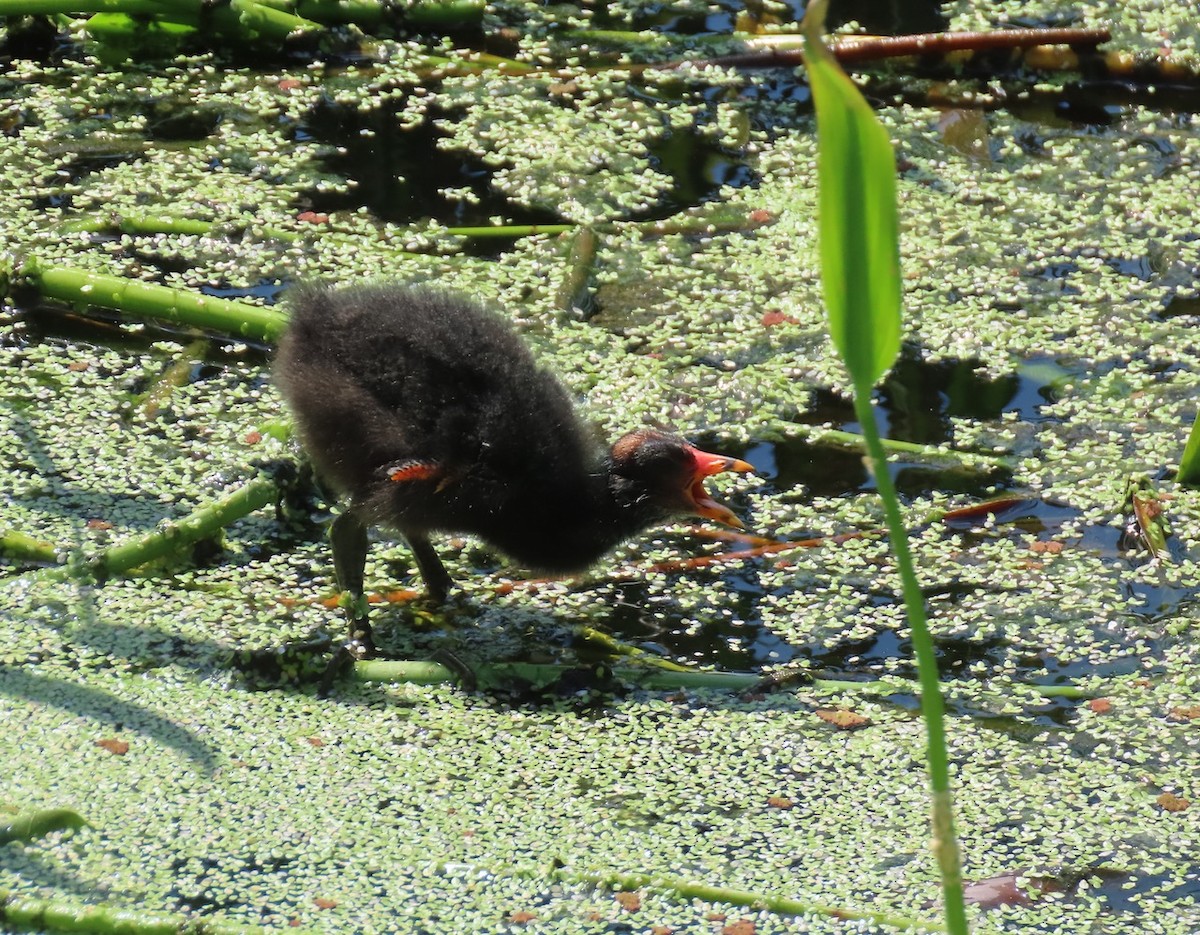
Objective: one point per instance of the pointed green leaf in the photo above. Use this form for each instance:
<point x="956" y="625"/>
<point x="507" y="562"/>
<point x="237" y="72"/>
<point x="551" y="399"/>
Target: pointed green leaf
<point x="1189" y="464"/>
<point x="859" y="231"/>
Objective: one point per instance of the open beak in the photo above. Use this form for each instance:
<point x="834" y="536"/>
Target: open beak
<point x="697" y="497"/>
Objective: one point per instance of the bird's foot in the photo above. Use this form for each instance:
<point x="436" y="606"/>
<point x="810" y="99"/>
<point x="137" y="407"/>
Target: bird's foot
<point x="359" y="645"/>
<point x="341" y="663"/>
<point x="466" y="675"/>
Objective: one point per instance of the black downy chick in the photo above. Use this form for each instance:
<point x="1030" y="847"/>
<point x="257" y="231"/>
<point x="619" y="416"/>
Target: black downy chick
<point x="430" y="414"/>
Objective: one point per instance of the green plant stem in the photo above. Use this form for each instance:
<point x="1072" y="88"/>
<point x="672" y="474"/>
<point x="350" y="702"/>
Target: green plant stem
<point x="172" y="378"/>
<point x="274" y="19"/>
<point x="80" y="7"/>
<point x="651" y="679"/>
<point x="485" y="60"/>
<point x="1073" y="692"/>
<point x="236" y="320"/>
<point x="242" y="15"/>
<point x="642" y="38"/>
<point x="615" y="647"/>
<point x="715" y="221"/>
<point x="922" y="452"/>
<point x="238" y="17"/>
<point x="20" y="547"/>
<point x="169" y="537"/>
<point x="510" y="230"/>
<point x="721" y="220"/>
<point x="243" y="19"/>
<point x="782" y="905"/>
<point x="58" y="915"/>
<point x="445" y="14"/>
<point x="647" y="41"/>
<point x="575" y="292"/>
<point x="945" y="840"/>
<point x="657" y="678"/>
<point x="29" y="824"/>
<point x="150" y="224"/>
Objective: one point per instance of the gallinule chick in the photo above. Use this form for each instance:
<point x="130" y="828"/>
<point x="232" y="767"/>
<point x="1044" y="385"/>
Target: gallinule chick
<point x="430" y="414"/>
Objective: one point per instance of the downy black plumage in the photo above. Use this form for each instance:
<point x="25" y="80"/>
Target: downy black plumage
<point x="430" y="414"/>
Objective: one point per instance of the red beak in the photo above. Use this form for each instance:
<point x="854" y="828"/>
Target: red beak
<point x="697" y="497"/>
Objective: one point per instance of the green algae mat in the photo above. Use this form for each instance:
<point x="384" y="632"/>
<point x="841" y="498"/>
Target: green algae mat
<point x="165" y="591"/>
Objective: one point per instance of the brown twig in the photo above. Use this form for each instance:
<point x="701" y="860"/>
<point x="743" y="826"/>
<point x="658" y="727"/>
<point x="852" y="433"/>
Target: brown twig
<point x="777" y="51"/>
<point x="871" y="48"/>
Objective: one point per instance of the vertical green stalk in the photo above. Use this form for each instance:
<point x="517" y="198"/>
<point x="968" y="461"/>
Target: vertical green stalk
<point x="860" y="277"/>
<point x="945" y="838"/>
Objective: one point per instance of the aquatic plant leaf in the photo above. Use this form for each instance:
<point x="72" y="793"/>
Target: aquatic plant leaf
<point x="859" y="230"/>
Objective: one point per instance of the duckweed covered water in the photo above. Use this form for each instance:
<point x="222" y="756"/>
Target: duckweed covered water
<point x="1051" y="289"/>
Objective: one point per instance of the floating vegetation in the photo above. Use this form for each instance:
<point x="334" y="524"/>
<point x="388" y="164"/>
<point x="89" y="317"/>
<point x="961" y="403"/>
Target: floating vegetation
<point x="1050" y="272"/>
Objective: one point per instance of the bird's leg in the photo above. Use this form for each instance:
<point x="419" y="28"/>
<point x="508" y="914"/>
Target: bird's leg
<point x="348" y="536"/>
<point x="437" y="580"/>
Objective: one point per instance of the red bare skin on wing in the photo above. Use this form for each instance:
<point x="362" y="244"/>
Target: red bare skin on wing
<point x="407" y="471"/>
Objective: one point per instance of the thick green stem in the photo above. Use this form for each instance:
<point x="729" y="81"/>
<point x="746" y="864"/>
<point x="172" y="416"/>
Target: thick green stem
<point x="945" y="840"/>
<point x="151" y="224"/>
<point x="244" y="15"/>
<point x="30" y="824"/>
<point x="238" y="18"/>
<point x="81" y="7"/>
<point x="445" y="14"/>
<point x="17" y="546"/>
<point x="237" y="320"/>
<point x="169" y="537"/>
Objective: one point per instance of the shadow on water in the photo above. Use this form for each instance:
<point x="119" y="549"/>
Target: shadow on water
<point x="920" y="399"/>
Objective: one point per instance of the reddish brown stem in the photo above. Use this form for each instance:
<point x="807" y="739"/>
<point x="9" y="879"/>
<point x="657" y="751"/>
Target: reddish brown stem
<point x="871" y="48"/>
<point x="752" y="547"/>
<point x="856" y="49"/>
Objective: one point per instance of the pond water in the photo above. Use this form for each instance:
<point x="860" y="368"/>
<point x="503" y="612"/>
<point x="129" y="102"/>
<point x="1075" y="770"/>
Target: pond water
<point x="1052" y="287"/>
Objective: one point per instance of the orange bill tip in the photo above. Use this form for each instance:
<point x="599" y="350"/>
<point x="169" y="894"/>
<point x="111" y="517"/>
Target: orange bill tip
<point x="708" y="464"/>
